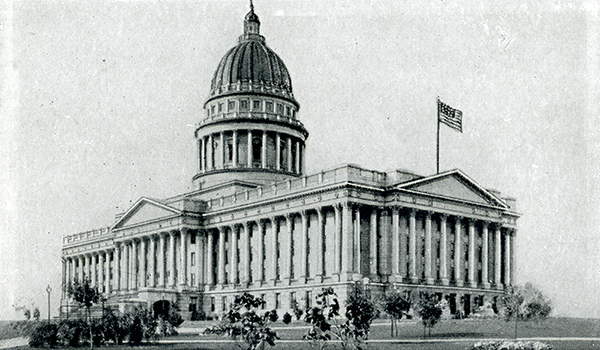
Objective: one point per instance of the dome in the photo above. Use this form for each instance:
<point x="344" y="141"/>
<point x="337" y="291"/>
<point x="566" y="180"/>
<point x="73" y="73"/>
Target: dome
<point x="251" y="67"/>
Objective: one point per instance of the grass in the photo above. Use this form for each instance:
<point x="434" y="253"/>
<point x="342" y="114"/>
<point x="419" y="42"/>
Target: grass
<point x="457" y="334"/>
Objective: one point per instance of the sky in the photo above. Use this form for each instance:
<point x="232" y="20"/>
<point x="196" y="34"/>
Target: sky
<point x="99" y="101"/>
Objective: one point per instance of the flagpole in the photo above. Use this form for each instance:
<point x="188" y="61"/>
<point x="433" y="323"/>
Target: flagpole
<point x="438" y="137"/>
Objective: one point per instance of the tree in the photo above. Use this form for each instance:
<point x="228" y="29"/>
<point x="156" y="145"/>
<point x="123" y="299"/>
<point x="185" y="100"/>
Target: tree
<point x="396" y="305"/>
<point x="325" y="322"/>
<point x="243" y="320"/>
<point x="527" y="303"/>
<point x="36" y="313"/>
<point x="86" y="295"/>
<point x="430" y="310"/>
<point x="297" y="310"/>
<point x="27" y="314"/>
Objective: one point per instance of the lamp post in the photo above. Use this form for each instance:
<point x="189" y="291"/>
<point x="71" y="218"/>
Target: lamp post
<point x="48" y="289"/>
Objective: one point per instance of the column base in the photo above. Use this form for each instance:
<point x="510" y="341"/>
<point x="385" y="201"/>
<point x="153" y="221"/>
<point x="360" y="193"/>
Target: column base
<point x="460" y="283"/>
<point x="473" y="284"/>
<point x="318" y="279"/>
<point x="257" y="284"/>
<point x="286" y="281"/>
<point x="429" y="280"/>
<point x="486" y="285"/>
<point x="414" y="279"/>
<point x="396" y="278"/>
<point x="335" y="277"/>
<point x="302" y="280"/>
<point x="499" y="286"/>
<point x="445" y="282"/>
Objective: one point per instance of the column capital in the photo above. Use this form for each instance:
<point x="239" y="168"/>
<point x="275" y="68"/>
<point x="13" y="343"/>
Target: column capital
<point x="485" y="224"/>
<point x="443" y="217"/>
<point x="412" y="211"/>
<point x="428" y="213"/>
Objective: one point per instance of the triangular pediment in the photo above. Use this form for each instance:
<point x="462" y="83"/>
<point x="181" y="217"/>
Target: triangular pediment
<point x="456" y="185"/>
<point x="145" y="210"/>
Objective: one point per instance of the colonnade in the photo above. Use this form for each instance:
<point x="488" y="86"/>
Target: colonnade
<point x="166" y="260"/>
<point x="251" y="149"/>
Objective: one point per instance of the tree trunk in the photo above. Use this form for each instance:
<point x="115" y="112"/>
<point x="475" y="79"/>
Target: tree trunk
<point x="392" y="327"/>
<point x="90" y="323"/>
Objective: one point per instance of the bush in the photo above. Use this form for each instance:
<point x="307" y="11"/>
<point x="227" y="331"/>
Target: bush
<point x="287" y="318"/>
<point x="136" y="333"/>
<point x="44" y="335"/>
<point x="511" y="345"/>
<point x="70" y="332"/>
<point x="198" y="315"/>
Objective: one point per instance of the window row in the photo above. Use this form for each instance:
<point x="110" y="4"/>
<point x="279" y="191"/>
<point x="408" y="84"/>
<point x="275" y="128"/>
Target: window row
<point x="251" y="105"/>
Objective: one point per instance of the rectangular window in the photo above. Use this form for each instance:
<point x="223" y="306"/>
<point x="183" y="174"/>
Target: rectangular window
<point x="277" y="300"/>
<point x="212" y="110"/>
<point x="231" y="107"/>
<point x="256" y="105"/>
<point x="193" y="259"/>
<point x="193" y="238"/>
<point x="243" y="105"/>
<point x="292" y="299"/>
<point x="192" y="279"/>
<point x="221" y="105"/>
<point x="264" y="305"/>
<point x="224" y="301"/>
<point x="279" y="108"/>
<point x="269" y="106"/>
<point x="288" y="111"/>
<point x="212" y="304"/>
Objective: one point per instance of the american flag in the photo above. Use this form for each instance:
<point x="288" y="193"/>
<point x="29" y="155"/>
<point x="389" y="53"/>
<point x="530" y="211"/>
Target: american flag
<point x="449" y="116"/>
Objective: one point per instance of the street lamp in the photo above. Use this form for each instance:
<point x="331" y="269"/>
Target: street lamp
<point x="48" y="289"/>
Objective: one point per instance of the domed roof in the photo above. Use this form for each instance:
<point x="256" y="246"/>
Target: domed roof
<point x="251" y="66"/>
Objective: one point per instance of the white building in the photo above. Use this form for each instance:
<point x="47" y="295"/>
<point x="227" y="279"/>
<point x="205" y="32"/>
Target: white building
<point x="257" y="223"/>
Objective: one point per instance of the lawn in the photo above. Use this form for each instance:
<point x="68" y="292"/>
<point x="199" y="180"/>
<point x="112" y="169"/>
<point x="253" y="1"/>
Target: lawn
<point x="455" y="335"/>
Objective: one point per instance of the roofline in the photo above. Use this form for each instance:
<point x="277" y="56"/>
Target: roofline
<point x="137" y="203"/>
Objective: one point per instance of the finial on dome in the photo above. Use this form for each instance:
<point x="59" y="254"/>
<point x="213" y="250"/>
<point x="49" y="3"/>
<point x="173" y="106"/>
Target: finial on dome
<point x="251" y="22"/>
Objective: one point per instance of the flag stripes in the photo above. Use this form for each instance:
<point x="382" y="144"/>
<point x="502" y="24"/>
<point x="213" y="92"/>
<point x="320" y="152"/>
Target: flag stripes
<point x="449" y="116"/>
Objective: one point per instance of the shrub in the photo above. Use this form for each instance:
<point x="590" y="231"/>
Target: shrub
<point x="136" y="333"/>
<point x="287" y="318"/>
<point x="70" y="332"/>
<point x="44" y="335"/>
<point x="511" y="345"/>
<point x="429" y="310"/>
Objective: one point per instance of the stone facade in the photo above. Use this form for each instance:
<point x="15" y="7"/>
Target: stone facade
<point x="257" y="223"/>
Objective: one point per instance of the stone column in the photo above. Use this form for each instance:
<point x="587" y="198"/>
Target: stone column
<point x="234" y="160"/>
<point x="278" y="151"/>
<point x="498" y="258"/>
<point x="263" y="157"/>
<point x="107" y="273"/>
<point x="134" y="264"/>
<point x="357" y="236"/>
<point x="117" y="267"/>
<point x="274" y="240"/>
<point x="457" y="252"/>
<point x="101" y="272"/>
<point x="484" y="255"/>
<point x="161" y="261"/>
<point x="288" y="265"/>
<point x="319" y="244"/>
<point x="261" y="252"/>
<point x="412" y="245"/>
<point x="143" y="256"/>
<point x="250" y="152"/>
<point x="127" y="266"/>
<point x="234" y="257"/>
<point x="210" y="280"/>
<point x="374" y="259"/>
<point x="298" y="157"/>
<point x="93" y="267"/>
<point x="337" y="240"/>
<point x="245" y="254"/>
<point x="289" y="154"/>
<point x="222" y="151"/>
<point x="80" y="269"/>
<point x="201" y="259"/>
<point x="211" y="153"/>
<point x="444" y="250"/>
<point x="303" y="247"/>
<point x="151" y="260"/>
<point x="513" y="257"/>
<point x="171" y="258"/>
<point x="183" y="258"/>
<point x="64" y="276"/>
<point x="87" y="271"/>
<point x="428" y="252"/>
<point x="124" y="266"/>
<point x="472" y="248"/>
<point x="507" y="259"/>
<point x="202" y="147"/>
<point x="347" y="239"/>
<point x="221" y="257"/>
<point x="396" y="245"/>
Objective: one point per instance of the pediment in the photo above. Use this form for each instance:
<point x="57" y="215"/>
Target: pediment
<point x="455" y="185"/>
<point x="145" y="210"/>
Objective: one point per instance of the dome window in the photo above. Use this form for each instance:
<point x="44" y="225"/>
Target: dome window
<point x="288" y="111"/>
<point x="221" y="105"/>
<point x="212" y="110"/>
<point x="256" y="105"/>
<point x="279" y="108"/>
<point x="269" y="106"/>
<point x="243" y="105"/>
<point x="231" y="107"/>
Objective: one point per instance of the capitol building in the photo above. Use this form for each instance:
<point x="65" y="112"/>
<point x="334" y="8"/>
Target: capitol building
<point x="256" y="222"/>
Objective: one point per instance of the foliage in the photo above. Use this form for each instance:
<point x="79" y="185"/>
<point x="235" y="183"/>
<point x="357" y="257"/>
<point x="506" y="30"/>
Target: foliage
<point x="27" y="314"/>
<point x="242" y="320"/>
<point x="70" y="332"/>
<point x="136" y="333"/>
<point x="287" y="318"/>
<point x="325" y="323"/>
<point x="430" y="310"/>
<point x="297" y="310"/>
<point x="44" y="335"/>
<point x="396" y="305"/>
<point x="36" y="313"/>
<point x="116" y="327"/>
<point x="86" y="295"/>
<point x="198" y="315"/>
<point x="511" y="345"/>
<point x="527" y="303"/>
